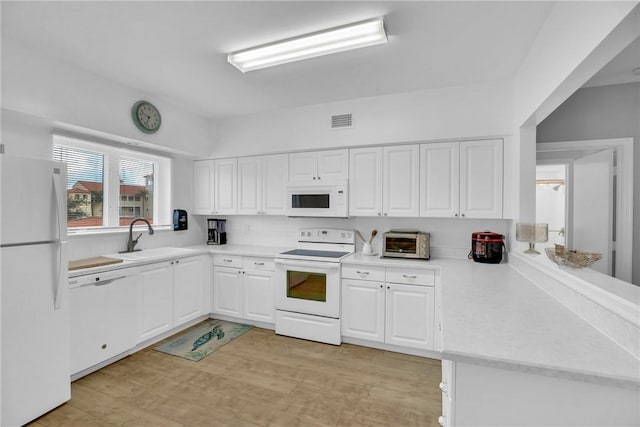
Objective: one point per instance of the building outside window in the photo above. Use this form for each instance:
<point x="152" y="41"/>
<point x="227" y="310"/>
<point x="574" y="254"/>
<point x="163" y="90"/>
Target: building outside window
<point x="130" y="187"/>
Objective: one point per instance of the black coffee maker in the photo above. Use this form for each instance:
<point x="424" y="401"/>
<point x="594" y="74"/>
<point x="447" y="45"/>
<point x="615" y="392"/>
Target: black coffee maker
<point x="216" y="234"/>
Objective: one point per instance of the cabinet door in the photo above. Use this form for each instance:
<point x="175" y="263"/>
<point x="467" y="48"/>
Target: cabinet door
<point x="189" y="281"/>
<point x="333" y="165"/>
<point x="259" y="299"/>
<point x="303" y="166"/>
<point x="156" y="300"/>
<point x="401" y="179"/>
<point x="275" y="170"/>
<point x="481" y="179"/>
<point x="440" y="180"/>
<point x="250" y="185"/>
<point x="410" y="315"/>
<point x="363" y="309"/>
<point x="227" y="291"/>
<point x="226" y="186"/>
<point x="365" y="181"/>
<point x="203" y="180"/>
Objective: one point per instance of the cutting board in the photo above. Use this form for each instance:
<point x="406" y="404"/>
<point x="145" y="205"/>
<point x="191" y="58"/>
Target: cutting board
<point x="96" y="261"/>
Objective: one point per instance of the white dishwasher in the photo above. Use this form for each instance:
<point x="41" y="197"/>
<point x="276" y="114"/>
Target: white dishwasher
<point x="103" y="316"/>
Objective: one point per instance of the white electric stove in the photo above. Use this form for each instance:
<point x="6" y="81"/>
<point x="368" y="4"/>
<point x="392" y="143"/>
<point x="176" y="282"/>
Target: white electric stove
<point x="308" y="285"/>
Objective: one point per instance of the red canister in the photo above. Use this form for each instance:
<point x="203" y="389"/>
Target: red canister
<point x="487" y="247"/>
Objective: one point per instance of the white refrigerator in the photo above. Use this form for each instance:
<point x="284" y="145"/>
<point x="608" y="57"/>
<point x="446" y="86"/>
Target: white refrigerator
<point x="35" y="346"/>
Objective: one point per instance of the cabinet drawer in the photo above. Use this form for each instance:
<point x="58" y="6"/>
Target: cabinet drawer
<point x="265" y="264"/>
<point x="227" y="260"/>
<point x="411" y="277"/>
<point x="362" y="272"/>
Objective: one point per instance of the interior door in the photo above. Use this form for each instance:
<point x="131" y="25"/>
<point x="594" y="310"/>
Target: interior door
<point x="593" y="207"/>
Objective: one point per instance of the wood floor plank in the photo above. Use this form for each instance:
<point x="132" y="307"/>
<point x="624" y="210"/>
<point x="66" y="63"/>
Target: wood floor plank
<point x="258" y="379"/>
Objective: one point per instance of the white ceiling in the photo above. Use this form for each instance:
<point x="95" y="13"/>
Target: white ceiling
<point x="176" y="50"/>
<point x="619" y="69"/>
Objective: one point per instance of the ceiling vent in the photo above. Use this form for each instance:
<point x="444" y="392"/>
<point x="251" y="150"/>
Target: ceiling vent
<point x="341" y="121"/>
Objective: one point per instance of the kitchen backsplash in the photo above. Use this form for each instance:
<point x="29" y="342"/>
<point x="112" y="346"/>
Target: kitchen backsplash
<point x="449" y="237"/>
<point x="89" y="245"/>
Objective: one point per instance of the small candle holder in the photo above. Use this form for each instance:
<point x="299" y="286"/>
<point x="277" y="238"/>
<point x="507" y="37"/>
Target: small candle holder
<point x="532" y="233"/>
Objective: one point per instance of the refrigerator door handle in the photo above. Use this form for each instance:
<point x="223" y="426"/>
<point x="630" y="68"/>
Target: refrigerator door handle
<point x="62" y="276"/>
<point x="59" y="193"/>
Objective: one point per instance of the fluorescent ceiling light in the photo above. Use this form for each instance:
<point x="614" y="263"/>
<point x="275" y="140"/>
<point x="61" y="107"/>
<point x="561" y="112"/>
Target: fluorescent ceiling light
<point x="333" y="40"/>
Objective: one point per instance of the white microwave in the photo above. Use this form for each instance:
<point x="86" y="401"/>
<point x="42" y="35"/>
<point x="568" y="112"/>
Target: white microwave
<point x="327" y="199"/>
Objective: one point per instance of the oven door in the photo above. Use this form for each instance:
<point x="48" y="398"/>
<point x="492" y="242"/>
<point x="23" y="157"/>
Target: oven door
<point x="308" y="287"/>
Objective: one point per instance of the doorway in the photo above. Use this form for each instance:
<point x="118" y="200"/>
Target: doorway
<point x="598" y="199"/>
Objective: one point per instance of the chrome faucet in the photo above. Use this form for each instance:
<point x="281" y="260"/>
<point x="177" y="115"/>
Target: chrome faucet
<point x="131" y="244"/>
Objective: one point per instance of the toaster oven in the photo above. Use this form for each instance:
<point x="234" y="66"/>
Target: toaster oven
<point x="406" y="244"/>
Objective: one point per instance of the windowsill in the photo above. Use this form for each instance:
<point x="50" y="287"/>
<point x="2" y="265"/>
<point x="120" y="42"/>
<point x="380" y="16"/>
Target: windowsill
<point x="114" y="230"/>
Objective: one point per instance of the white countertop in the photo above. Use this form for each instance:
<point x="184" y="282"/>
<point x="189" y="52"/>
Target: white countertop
<point x="493" y="315"/>
<point x="247" y="250"/>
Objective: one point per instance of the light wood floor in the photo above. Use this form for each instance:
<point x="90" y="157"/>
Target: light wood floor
<point x="259" y="379"/>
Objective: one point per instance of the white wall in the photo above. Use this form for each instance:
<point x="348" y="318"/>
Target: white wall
<point x="449" y="113"/>
<point x="576" y="40"/>
<point x="41" y="86"/>
<point x="600" y="113"/>
<point x="41" y="96"/>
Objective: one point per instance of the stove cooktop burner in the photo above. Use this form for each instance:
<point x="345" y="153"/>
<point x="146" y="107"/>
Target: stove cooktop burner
<point x="315" y="253"/>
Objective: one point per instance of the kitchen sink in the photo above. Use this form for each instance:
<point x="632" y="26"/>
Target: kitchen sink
<point x="166" y="252"/>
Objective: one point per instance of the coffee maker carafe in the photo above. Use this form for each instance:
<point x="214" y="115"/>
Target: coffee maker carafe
<point x="217" y="234"/>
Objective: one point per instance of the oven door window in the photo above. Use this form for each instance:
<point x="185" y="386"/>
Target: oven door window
<point x="310" y="201"/>
<point x="307" y="286"/>
<point x="403" y="245"/>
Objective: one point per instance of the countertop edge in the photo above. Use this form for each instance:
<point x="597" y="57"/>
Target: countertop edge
<point x="549" y="371"/>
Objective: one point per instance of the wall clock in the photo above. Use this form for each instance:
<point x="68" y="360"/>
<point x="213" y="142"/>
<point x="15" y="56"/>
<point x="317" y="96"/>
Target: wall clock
<point x="146" y="117"/>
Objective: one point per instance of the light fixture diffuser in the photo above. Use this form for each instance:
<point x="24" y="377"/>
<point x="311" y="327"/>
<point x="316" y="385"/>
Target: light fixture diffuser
<point x="333" y="40"/>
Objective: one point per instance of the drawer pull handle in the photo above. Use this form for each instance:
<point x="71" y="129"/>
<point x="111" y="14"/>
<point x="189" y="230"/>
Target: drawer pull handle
<point x="258" y="263"/>
<point x="406" y="276"/>
<point x="362" y="272"/>
<point x="227" y="260"/>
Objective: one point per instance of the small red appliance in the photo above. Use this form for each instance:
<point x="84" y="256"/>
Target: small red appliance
<point x="487" y="247"/>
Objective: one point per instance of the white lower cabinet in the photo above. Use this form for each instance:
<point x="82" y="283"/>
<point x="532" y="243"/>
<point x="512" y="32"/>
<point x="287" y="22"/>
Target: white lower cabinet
<point x="410" y="315"/>
<point x="243" y="287"/>
<point x="363" y="304"/>
<point x="380" y="310"/>
<point x="190" y="296"/>
<point x="171" y="293"/>
<point x="227" y="291"/>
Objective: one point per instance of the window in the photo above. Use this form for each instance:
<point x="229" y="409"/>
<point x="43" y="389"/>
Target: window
<point x="108" y="187"/>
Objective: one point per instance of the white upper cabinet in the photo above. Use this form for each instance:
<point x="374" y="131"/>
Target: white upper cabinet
<point x="440" y="179"/>
<point x="365" y="181"/>
<point x="400" y="191"/>
<point x="203" y="180"/>
<point x="481" y="172"/>
<point x="330" y="165"/>
<point x="275" y="170"/>
<point x="383" y="181"/>
<point x="215" y="187"/>
<point x="225" y="191"/>
<point x="461" y="179"/>
<point x="249" y="185"/>
<point x="261" y="184"/>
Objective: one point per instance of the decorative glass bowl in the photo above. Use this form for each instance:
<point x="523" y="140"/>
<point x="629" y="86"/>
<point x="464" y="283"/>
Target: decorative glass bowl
<point x="573" y="259"/>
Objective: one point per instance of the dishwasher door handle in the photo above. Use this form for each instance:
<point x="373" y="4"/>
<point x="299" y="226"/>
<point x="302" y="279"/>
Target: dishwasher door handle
<point x="107" y="281"/>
